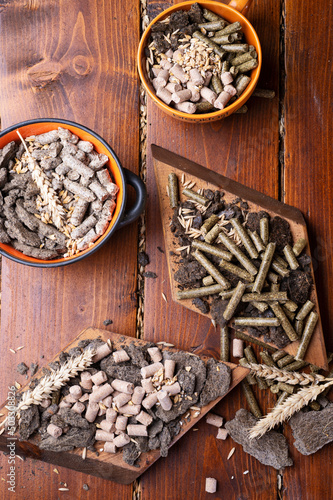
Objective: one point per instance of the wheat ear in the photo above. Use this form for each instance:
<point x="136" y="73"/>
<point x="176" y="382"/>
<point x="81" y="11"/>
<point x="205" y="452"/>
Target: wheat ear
<point x="292" y="378"/>
<point x="291" y="405"/>
<point x="47" y="192"/>
<point x="54" y="381"/>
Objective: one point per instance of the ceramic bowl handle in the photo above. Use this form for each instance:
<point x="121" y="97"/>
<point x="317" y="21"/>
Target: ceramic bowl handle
<point x="240" y="5"/>
<point x="140" y="201"/>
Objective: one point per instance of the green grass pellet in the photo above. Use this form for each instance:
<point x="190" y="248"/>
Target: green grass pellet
<point x="285" y="323"/>
<point x="211" y="16"/>
<point x="205" y="247"/>
<point x="208" y="280"/>
<point x="213" y="234"/>
<point x="245" y="238"/>
<point x="290" y="305"/>
<point x="211" y="269"/>
<point x="264" y="230"/>
<point x="243" y="321"/>
<point x="242" y="83"/>
<point x="216" y="48"/>
<point x="299" y="325"/>
<point x="240" y="256"/>
<point x="299" y="246"/>
<point x="250" y="378"/>
<point x="281" y="270"/>
<point x="198" y="198"/>
<point x="264" y="93"/>
<point x="228" y="294"/>
<point x="231" y="28"/>
<point x="304" y="310"/>
<point x="290" y="257"/>
<point x="242" y="58"/>
<point x="275" y="287"/>
<point x="250" y="356"/>
<point x="286" y="387"/>
<point x="199" y="292"/>
<point x="277" y="355"/>
<point x="264" y="296"/>
<point x="247" y="66"/>
<point x="225" y="66"/>
<point x="225" y="344"/>
<point x="222" y="39"/>
<point x="216" y="84"/>
<point x="264" y="268"/>
<point x="290" y="315"/>
<point x="261" y="306"/>
<point x="281" y="399"/>
<point x="234" y="301"/>
<point x="242" y="336"/>
<point x="238" y="47"/>
<point x="285" y="361"/>
<point x="280" y="261"/>
<point x="212" y="25"/>
<point x="294" y="366"/>
<point x="237" y="271"/>
<point x="274" y="388"/>
<point x="251" y="400"/>
<point x="204" y="107"/>
<point x="273" y="278"/>
<point x="307" y="334"/>
<point x="314" y="405"/>
<point x="173" y="190"/>
<point x="258" y="243"/>
<point x="208" y="224"/>
<point x="267" y="359"/>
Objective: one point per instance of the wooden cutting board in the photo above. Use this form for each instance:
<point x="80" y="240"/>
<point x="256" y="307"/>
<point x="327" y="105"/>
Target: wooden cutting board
<point x="106" y="465"/>
<point x="166" y="162"/>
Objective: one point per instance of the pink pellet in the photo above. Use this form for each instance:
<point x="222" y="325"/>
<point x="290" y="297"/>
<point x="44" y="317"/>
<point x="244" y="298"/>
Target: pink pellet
<point x="155" y="354"/>
<point x="130" y="409"/>
<point x="173" y="389"/>
<point x="107" y="426"/>
<point x="150" y="401"/>
<point x="92" y="411"/>
<point x="84" y="398"/>
<point x="165" y="64"/>
<point x="169" y="368"/>
<point x="121" y="440"/>
<point x="208" y="94"/>
<point x="169" y="53"/>
<point x="111" y="415"/>
<point x="121" y="423"/>
<point x="102" y="392"/>
<point x="122" y="386"/>
<point x="165" y="400"/>
<point x="179" y="73"/>
<point x="144" y="418"/>
<point x="148" y="371"/>
<point x="163" y="94"/>
<point x="211" y="485"/>
<point x="186" y="107"/>
<point x="122" y="399"/>
<point x="75" y="391"/>
<point x="138" y="395"/>
<point x="110" y="447"/>
<point x="237" y="348"/>
<point x="107" y="401"/>
<point x="137" y="430"/>
<point x="103" y="350"/>
<point x="222" y="434"/>
<point x="226" y="78"/>
<point x="163" y="78"/>
<point x="195" y="97"/>
<point x="182" y="96"/>
<point x="208" y="78"/>
<point x="46" y="403"/>
<point x="213" y="419"/>
<point x="155" y="85"/>
<point x="99" y="378"/>
<point x="65" y="404"/>
<point x="173" y="87"/>
<point x="230" y="89"/>
<point x="54" y="430"/>
<point x="147" y="385"/>
<point x="222" y="100"/>
<point x="69" y="399"/>
<point x="177" y="55"/>
<point x="86" y="382"/>
<point x="103" y="435"/>
<point x="120" y="356"/>
<point x="102" y="411"/>
<point x="196" y="77"/>
<point x="78" y="407"/>
<point x="156" y="71"/>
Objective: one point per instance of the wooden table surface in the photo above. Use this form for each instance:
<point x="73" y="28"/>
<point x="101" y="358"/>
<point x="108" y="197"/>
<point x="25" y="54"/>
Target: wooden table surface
<point x="76" y="60"/>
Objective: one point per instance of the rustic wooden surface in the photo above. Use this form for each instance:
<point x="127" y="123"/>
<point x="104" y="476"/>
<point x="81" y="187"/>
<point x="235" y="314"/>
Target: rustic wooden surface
<point x="65" y="59"/>
<point x="69" y="60"/>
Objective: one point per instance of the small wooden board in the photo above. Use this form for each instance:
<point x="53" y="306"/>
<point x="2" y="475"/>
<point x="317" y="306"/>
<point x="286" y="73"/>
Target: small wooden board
<point x="106" y="465"/>
<point x="166" y="162"/>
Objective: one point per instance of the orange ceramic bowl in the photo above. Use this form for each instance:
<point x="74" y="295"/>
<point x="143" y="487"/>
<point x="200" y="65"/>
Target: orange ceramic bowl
<point x="121" y="177"/>
<point x="231" y="15"/>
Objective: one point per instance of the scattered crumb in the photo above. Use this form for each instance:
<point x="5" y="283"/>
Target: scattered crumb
<point x="63" y="489"/>
<point x="195" y="430"/>
<point x="56" y="471"/>
<point x="19" y="348"/>
<point x="231" y="452"/>
<point x="246" y="472"/>
<point x="85" y="487"/>
<point x="164" y="297"/>
<point x="107" y="322"/>
<point x="12" y="350"/>
<point x="232" y="477"/>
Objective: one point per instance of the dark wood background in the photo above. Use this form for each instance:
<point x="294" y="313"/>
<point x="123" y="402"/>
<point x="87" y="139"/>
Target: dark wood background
<point x="76" y="60"/>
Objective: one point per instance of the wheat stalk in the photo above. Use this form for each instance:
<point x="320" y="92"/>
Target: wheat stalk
<point x="47" y="192"/>
<point x="292" y="378"/>
<point x="54" y="381"/>
<point x="284" y="411"/>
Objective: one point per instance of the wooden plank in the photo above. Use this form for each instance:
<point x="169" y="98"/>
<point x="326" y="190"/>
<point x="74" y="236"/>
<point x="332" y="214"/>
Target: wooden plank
<point x="244" y="148"/>
<point x="69" y="61"/>
<point x="308" y="156"/>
